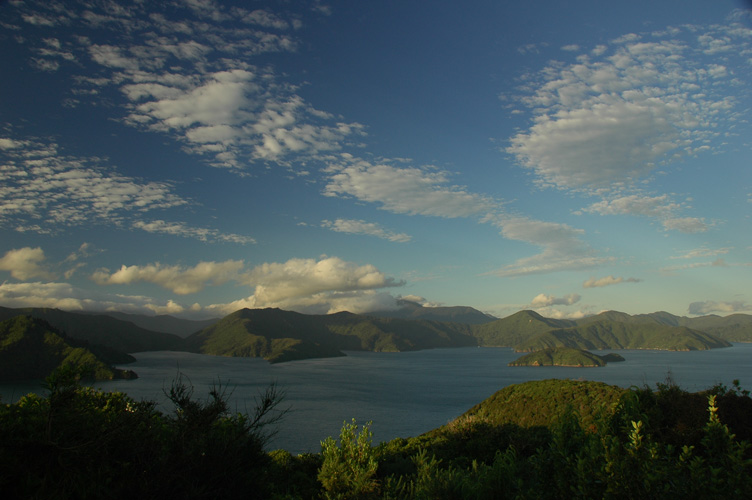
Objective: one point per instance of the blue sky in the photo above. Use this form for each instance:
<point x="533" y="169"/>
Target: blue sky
<point x="194" y="157"/>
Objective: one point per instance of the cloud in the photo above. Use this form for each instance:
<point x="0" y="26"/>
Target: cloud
<point x="702" y="252"/>
<point x="719" y="262"/>
<point x="40" y="183"/>
<point x="543" y="300"/>
<point x="562" y="247"/>
<point x="659" y="207"/>
<point x="363" y="227"/>
<point x="25" y="264"/>
<point x="614" y="117"/>
<point x="607" y="281"/>
<point x="184" y="71"/>
<point x="186" y="231"/>
<point x="711" y="307"/>
<point x="181" y="281"/>
<point x="405" y="190"/>
<point x="322" y="286"/>
<point x="69" y="298"/>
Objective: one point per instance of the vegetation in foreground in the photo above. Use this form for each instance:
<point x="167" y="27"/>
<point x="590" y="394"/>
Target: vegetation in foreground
<point x="544" y="439"/>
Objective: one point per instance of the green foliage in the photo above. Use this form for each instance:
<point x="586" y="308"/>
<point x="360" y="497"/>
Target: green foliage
<point x="560" y="356"/>
<point x="348" y="471"/>
<point x="81" y="443"/>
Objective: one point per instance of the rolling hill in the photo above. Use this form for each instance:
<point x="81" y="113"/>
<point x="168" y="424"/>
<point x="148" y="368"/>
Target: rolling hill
<point x="565" y="356"/>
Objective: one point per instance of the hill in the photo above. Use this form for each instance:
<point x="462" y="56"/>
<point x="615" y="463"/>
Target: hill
<point x="163" y="323"/>
<point x="31" y="348"/>
<point x="100" y="329"/>
<point x="564" y="356"/>
<point x="510" y="331"/>
<point x="278" y="335"/>
<point x="454" y="314"/>
<point x="608" y="334"/>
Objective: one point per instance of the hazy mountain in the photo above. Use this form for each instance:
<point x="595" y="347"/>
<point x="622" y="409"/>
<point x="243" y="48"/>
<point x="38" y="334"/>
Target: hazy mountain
<point x="100" y="329"/>
<point x="454" y="314"/>
<point x="510" y="331"/>
<point x="608" y="334"/>
<point x="163" y="323"/>
<point x="31" y="348"/>
<point x="278" y="335"/>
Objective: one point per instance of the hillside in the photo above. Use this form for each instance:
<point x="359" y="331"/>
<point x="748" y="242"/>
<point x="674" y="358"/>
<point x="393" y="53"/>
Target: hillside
<point x="278" y="335"/>
<point x="100" y="329"/>
<point x="163" y="323"/>
<point x="31" y="348"/>
<point x="606" y="334"/>
<point x="510" y="331"/>
<point x="454" y="314"/>
<point x="564" y="356"/>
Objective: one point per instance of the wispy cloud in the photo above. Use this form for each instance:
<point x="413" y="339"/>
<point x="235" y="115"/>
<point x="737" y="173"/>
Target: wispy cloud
<point x="711" y="307"/>
<point x="607" y="281"/>
<point x="184" y="230"/>
<point x="563" y="248"/>
<point x="702" y="252"/>
<point x="362" y="227"/>
<point x="405" y="190"/>
<point x="605" y="122"/>
<point x="187" y="71"/>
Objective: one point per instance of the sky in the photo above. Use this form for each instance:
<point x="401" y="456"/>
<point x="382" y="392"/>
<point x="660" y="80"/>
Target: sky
<point x="194" y="157"/>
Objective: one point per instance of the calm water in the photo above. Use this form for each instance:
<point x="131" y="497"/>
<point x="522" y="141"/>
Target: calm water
<point x="403" y="394"/>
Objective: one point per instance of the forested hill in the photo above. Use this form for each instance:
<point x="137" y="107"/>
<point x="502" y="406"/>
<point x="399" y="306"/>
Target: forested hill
<point x="31" y="348"/>
<point x="278" y="335"/>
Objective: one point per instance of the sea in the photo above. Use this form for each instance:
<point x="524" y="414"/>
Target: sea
<point x="398" y="394"/>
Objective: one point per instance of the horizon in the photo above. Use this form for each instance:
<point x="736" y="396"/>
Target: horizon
<point x="196" y="157"/>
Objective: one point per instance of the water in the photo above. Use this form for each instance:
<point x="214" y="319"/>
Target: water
<point x="403" y="394"/>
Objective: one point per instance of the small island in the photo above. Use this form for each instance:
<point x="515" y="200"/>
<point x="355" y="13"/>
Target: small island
<point x="565" y="356"/>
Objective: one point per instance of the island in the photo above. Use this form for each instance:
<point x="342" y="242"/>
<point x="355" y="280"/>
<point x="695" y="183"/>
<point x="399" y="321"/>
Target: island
<point x="565" y="356"/>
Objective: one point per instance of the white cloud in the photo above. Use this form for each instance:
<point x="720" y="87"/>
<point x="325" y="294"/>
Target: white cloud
<point x="563" y="249"/>
<point x="39" y="183"/>
<point x="362" y="227"/>
<point x="712" y="307"/>
<point x="702" y="252"/>
<point x="69" y="298"/>
<point x="327" y="285"/>
<point x="615" y="117"/>
<point x="186" y="231"/>
<point x="686" y="224"/>
<point x="607" y="281"/>
<point x="719" y="262"/>
<point x="181" y="281"/>
<point x="25" y="264"/>
<point x="543" y="300"/>
<point x="410" y="190"/>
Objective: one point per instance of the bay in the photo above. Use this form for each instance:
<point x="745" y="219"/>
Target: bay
<point x="402" y="394"/>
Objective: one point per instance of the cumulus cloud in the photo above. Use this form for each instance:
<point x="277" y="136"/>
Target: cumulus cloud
<point x="69" y="298"/>
<point x="712" y="307"/>
<point x="327" y="285"/>
<point x="405" y="190"/>
<point x="181" y="281"/>
<point x="607" y="281"/>
<point x="362" y="227"/>
<point x="25" y="264"/>
<point x="659" y="207"/>
<point x="562" y="247"/>
<point x="543" y="300"/>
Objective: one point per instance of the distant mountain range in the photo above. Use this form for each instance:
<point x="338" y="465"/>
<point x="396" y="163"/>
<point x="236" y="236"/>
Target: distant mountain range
<point x="278" y="335"/>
